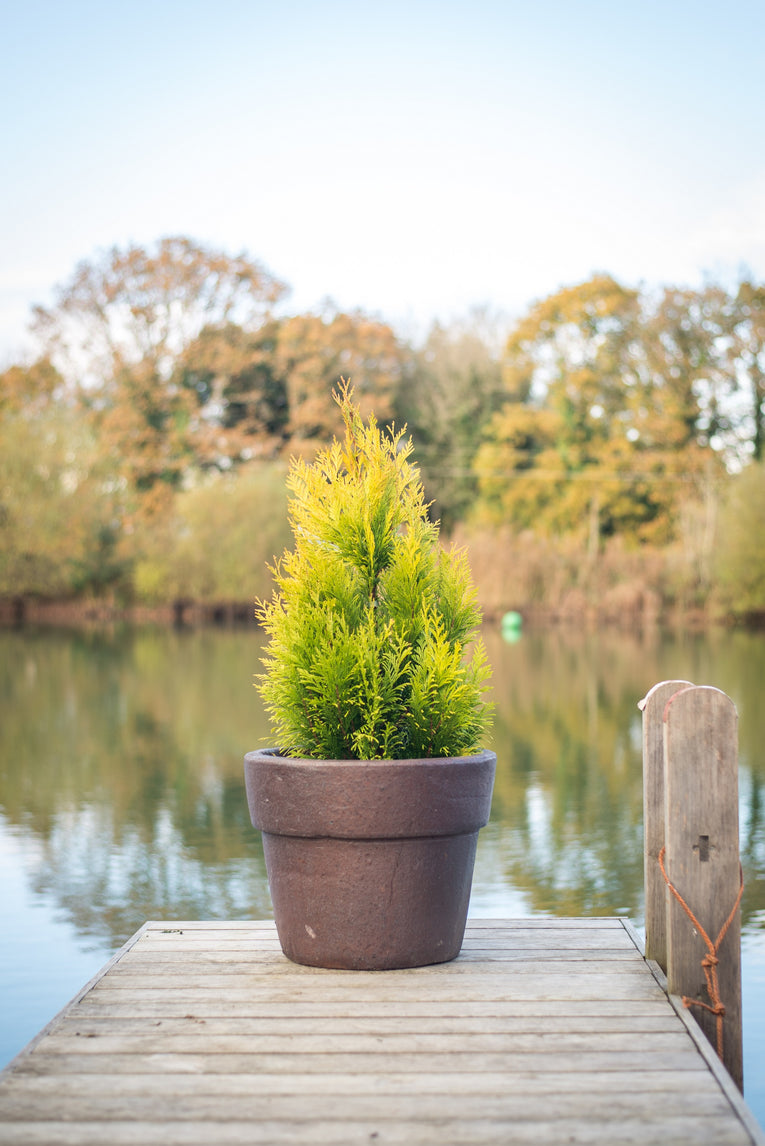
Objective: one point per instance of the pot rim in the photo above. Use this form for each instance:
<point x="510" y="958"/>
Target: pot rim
<point x="369" y="799"/>
<point x="281" y="755"/>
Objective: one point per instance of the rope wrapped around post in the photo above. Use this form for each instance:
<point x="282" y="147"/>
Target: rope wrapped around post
<point x="710" y="960"/>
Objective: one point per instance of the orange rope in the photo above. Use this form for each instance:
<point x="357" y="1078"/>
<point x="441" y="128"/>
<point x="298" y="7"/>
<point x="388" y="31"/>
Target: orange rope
<point x="710" y="960"/>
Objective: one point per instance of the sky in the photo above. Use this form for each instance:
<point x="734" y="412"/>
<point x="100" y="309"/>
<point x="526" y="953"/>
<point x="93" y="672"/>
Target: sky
<point x="412" y="159"/>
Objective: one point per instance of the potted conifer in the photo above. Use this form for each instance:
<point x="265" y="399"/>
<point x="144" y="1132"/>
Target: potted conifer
<point x="371" y="806"/>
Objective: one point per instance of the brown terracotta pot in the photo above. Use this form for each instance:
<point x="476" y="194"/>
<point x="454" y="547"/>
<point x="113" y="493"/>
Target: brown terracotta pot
<point x="369" y="862"/>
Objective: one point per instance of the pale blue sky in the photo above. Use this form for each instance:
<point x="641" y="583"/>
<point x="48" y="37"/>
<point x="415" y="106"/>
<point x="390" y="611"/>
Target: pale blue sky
<point x="410" y="158"/>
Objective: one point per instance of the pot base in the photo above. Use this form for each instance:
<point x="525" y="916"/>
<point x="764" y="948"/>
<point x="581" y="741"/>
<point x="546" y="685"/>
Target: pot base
<point x="370" y="905"/>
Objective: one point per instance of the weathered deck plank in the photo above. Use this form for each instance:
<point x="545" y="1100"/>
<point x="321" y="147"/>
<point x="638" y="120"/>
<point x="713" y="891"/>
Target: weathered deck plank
<point x="542" y="1031"/>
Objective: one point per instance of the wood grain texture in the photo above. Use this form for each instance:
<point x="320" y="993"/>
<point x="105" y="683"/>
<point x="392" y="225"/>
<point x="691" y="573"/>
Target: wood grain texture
<point x="543" y="1031"/>
<point x="702" y="854"/>
<point x="652" y="707"/>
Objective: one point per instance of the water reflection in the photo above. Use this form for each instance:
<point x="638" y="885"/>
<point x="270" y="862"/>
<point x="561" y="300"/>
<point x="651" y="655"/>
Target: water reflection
<point x="569" y="789"/>
<point x="121" y="760"/>
<point x="121" y="756"/>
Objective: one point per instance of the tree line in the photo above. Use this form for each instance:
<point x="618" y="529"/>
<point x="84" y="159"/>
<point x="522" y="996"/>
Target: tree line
<point x="143" y="450"/>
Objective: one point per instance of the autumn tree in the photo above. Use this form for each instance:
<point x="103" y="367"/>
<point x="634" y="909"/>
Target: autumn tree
<point x="145" y="305"/>
<point x="572" y="353"/>
<point x="239" y="394"/>
<point x="117" y="330"/>
<point x="57" y="494"/>
<point x="30" y="389"/>
<point x="686" y="380"/>
<point x="601" y="430"/>
<point x="747" y="353"/>
<point x="566" y="370"/>
<point x="314" y="351"/>
<point x="267" y="392"/>
<point x="453" y="388"/>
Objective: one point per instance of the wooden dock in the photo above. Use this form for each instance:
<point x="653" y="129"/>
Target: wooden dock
<point x="542" y="1031"/>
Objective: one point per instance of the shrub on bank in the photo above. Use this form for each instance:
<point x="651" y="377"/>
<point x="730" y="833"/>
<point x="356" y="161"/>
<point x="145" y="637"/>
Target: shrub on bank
<point x="218" y="542"/>
<point x="740" y="552"/>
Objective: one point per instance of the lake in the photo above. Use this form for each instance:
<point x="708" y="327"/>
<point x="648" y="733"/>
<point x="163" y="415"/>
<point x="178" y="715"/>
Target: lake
<point x="122" y="794"/>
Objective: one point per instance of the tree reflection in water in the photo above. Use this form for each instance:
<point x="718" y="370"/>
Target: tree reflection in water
<point x="121" y="768"/>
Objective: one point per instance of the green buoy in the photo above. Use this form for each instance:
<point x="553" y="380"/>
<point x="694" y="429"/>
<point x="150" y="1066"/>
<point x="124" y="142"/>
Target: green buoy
<point x="512" y="624"/>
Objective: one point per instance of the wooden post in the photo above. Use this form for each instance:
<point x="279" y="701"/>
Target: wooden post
<point x="652" y="707"/>
<point x="702" y="859"/>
